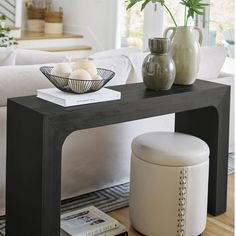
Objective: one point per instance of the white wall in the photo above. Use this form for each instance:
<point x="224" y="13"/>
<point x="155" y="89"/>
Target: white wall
<point x="97" y="17"/>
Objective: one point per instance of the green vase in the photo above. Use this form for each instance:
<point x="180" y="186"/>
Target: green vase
<point x="185" y="51"/>
<point x="158" y="67"/>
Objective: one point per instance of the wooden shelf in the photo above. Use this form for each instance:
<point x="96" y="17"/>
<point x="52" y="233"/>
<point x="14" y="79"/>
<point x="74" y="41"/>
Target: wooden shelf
<point x="65" y="49"/>
<point x="27" y="35"/>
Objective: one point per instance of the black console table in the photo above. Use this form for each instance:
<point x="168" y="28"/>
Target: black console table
<point x="36" y="130"/>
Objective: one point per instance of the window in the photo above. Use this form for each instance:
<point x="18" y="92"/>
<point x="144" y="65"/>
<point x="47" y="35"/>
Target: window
<point x="131" y="26"/>
<point x="135" y="29"/>
<point x="177" y="11"/>
<point x="221" y="19"/>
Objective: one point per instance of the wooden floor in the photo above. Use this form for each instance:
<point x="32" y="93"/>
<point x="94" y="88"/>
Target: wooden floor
<point x="222" y="225"/>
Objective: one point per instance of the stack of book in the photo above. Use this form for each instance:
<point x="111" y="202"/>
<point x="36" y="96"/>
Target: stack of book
<point x="90" y="221"/>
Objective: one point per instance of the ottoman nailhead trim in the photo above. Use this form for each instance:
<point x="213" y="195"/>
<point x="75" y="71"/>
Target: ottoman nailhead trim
<point x="183" y="175"/>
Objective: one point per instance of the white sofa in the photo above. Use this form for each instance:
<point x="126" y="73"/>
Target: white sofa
<point x="83" y="150"/>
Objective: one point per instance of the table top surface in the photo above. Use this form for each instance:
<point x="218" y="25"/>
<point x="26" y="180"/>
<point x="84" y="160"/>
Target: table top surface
<point x="130" y="94"/>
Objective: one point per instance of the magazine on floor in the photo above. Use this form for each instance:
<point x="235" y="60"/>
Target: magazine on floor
<point x="90" y="221"/>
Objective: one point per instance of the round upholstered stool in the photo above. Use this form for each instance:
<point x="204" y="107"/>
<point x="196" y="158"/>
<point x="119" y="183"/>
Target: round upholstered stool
<point x="169" y="184"/>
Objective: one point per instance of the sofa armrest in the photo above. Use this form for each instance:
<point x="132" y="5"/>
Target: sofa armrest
<point x="18" y="81"/>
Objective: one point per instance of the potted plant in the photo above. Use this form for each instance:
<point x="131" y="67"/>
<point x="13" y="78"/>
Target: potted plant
<point x="185" y="48"/>
<point x="5" y="39"/>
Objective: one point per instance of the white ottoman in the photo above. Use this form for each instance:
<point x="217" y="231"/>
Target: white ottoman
<point x="169" y="184"/>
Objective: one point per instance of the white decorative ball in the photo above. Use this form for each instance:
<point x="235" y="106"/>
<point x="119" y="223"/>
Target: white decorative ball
<point x="86" y="65"/>
<point x="61" y="70"/>
<point x="79" y="74"/>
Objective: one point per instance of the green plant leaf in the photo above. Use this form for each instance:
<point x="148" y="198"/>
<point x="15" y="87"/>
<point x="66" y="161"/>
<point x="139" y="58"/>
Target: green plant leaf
<point x="5" y="39"/>
<point x="194" y="7"/>
<point x="144" y="4"/>
<point x="131" y="3"/>
<point x="162" y="2"/>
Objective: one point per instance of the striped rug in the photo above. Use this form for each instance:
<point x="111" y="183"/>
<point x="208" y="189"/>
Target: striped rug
<point x="231" y="163"/>
<point x="108" y="199"/>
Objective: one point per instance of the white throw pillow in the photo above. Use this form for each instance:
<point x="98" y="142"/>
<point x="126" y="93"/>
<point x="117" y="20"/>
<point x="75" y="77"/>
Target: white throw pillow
<point x="7" y="57"/>
<point x="120" y="65"/>
<point x="211" y="62"/>
<point x="34" y="57"/>
<point x="115" y="53"/>
<point x="136" y="60"/>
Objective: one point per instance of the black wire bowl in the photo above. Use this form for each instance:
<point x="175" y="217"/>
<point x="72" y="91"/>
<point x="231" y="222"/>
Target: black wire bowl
<point x="78" y="86"/>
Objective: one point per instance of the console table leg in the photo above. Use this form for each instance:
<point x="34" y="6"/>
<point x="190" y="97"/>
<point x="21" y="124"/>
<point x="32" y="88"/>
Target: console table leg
<point x="33" y="175"/>
<point x="211" y="125"/>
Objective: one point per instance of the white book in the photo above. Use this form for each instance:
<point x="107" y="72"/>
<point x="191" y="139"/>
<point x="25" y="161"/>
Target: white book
<point x="64" y="99"/>
<point x="88" y="221"/>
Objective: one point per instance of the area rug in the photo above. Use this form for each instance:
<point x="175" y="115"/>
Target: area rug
<point x="231" y="168"/>
<point x="107" y="200"/>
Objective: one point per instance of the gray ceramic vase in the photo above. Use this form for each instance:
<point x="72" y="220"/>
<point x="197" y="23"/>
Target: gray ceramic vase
<point x="158" y="67"/>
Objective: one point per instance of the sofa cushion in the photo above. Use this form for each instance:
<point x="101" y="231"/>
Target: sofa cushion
<point x="33" y="57"/>
<point x="212" y="60"/>
<point x="7" y="57"/>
